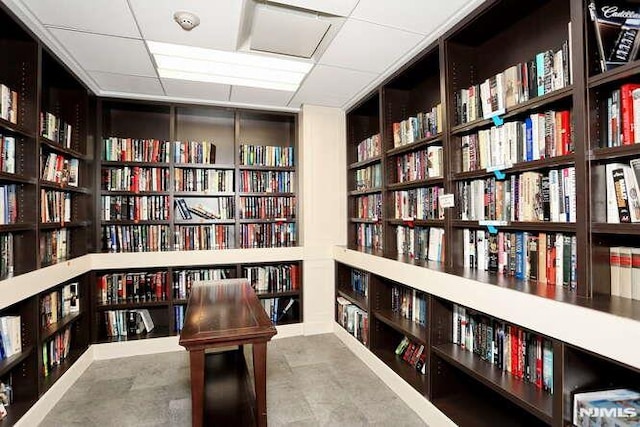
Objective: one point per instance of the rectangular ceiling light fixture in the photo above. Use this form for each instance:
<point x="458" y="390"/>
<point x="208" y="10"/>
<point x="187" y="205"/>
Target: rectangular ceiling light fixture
<point x="233" y="68"/>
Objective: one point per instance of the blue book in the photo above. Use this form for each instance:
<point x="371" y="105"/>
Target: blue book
<point x="528" y="125"/>
<point x="520" y="256"/>
<point x="547" y="366"/>
<point x="540" y="73"/>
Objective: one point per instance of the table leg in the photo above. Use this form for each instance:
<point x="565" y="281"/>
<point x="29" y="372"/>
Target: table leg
<point x="260" y="377"/>
<point x="196" y="359"/>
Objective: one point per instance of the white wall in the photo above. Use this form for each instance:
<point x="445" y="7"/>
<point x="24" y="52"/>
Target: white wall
<point x="322" y="160"/>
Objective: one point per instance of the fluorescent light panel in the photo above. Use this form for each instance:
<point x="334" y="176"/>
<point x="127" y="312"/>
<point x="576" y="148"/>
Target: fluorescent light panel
<point x="233" y="68"/>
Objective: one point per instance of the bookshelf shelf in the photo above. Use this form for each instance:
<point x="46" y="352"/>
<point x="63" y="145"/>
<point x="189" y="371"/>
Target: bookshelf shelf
<point x="358" y="300"/>
<point x="205" y="166"/>
<point x="406" y="259"/>
<point x="58" y="371"/>
<point x="266" y="221"/>
<point x="520" y="109"/>
<point x="415" y="145"/>
<point x="367" y="162"/>
<point x="402" y="368"/>
<point x="415" y="184"/>
<point x="619" y="73"/>
<point x="197" y="221"/>
<point x="51" y="330"/>
<point x="4" y="228"/>
<point x="551" y="162"/>
<point x="131" y="305"/>
<point x="413" y="330"/>
<point x="523" y="394"/>
<point x="56" y="186"/>
<point x="60" y="149"/>
<point x="632" y="229"/>
<point x="107" y="163"/>
<point x="267" y="168"/>
<point x="9" y="363"/>
<point x="15" y="128"/>
<point x="69" y="224"/>
<point x="136" y="222"/>
<point x="15" y="411"/>
<point x="266" y="194"/>
<point x="612" y="153"/>
<point x="5" y="176"/>
<point x="417" y="222"/>
<point x="133" y="193"/>
<point x="157" y="332"/>
<point x="365" y="191"/>
<point x="207" y="193"/>
<point x="365" y="220"/>
<point x="567" y="227"/>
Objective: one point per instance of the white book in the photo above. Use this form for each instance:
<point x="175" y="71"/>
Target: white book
<point x="614" y="265"/>
<point x="465" y="249"/>
<point x="480" y="238"/>
<point x="10" y="154"/>
<point x="635" y="273"/>
<point x="625" y="272"/>
<point x="635" y="95"/>
<point x="612" y="205"/>
<point x="485" y="98"/>
<point x="5" y="101"/>
<point x="559" y="259"/>
<point x="5" y="335"/>
<point x="535" y="130"/>
<point x="558" y="71"/>
<point x="633" y="193"/>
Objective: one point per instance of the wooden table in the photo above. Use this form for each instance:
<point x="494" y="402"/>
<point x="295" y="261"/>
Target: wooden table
<point x="226" y="313"/>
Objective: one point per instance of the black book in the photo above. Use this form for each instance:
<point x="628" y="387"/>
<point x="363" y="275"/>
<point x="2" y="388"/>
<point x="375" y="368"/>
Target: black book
<point x="493" y="252"/>
<point x="183" y="209"/>
<point x="546" y="199"/>
<point x="533" y="257"/>
<point x="533" y="78"/>
<point x="616" y="25"/>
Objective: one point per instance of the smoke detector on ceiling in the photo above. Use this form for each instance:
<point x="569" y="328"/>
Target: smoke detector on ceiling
<point x="187" y="20"/>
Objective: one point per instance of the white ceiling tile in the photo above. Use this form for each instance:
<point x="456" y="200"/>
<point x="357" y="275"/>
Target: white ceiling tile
<point x="128" y="84"/>
<point x="368" y="47"/>
<point x="331" y="86"/>
<point x="218" y="29"/>
<point x="424" y="18"/>
<point x="198" y="90"/>
<point x="333" y="7"/>
<point x="111" y="17"/>
<point x="259" y="96"/>
<point x="105" y="53"/>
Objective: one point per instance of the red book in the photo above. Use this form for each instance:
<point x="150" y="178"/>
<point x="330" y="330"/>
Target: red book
<point x="514" y="351"/>
<point x="565" y="132"/>
<point x="627" y="112"/>
<point x="538" y="378"/>
<point x="295" y="278"/>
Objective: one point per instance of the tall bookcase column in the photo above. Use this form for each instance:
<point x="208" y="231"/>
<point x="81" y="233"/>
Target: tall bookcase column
<point x="446" y="100"/>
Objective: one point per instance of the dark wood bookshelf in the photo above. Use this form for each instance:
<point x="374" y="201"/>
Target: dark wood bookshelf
<point x="613" y="153"/>
<point x="136" y="222"/>
<point x="16" y="128"/>
<point x="566" y="227"/>
<point x="353" y="298"/>
<point x="265" y="221"/>
<point x="363" y="163"/>
<point x="60" y="148"/>
<point x="365" y="191"/>
<point x="402" y="368"/>
<point x="15" y="411"/>
<point x="521" y="393"/>
<point x="413" y="330"/>
<point x="57" y="186"/>
<point x="131" y="305"/>
<point x="204" y="221"/>
<point x="417" y="222"/>
<point x="68" y="224"/>
<point x="623" y="229"/>
<point x="133" y="193"/>
<point x="205" y="166"/>
<point x="365" y="220"/>
<point x="21" y="226"/>
<point x="424" y="142"/>
<point x="157" y="332"/>
<point x="51" y="330"/>
<point x="6" y="176"/>
<point x="415" y="184"/>
<point x="547" y="163"/>
<point x="211" y="193"/>
<point x="616" y="74"/>
<point x="9" y="363"/>
<point x="535" y="103"/>
<point x="257" y="194"/>
<point x="108" y="163"/>
<point x="59" y="371"/>
<point x="268" y="168"/>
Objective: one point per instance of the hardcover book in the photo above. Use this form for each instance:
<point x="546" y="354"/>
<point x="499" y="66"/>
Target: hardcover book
<point x="616" y="25"/>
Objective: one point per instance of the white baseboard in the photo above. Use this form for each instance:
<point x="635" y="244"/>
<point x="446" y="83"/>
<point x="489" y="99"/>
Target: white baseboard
<point x="136" y="348"/>
<point x="47" y="401"/>
<point x="431" y="415"/>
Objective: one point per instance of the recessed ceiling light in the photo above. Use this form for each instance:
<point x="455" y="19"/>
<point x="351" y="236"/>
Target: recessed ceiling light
<point x="234" y="68"/>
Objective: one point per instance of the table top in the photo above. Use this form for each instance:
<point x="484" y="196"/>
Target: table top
<point x="224" y="312"/>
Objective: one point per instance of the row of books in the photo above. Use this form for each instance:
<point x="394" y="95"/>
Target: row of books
<point x="368" y="148"/>
<point x="56" y="350"/>
<point x="421" y="243"/>
<point x="540" y="136"/>
<point x="525" y="355"/>
<point x="123" y="323"/>
<point x="6" y="397"/>
<point x="10" y="336"/>
<point x="424" y="125"/>
<point x="353" y="319"/>
<point x="622" y="118"/>
<point x="548" y="258"/>
<point x="207" y="209"/>
<point x="271" y="235"/>
<point x="57" y="168"/>
<point x="368" y="206"/>
<point x="7" y="154"/>
<point x="265" y="155"/>
<point x="56" y="129"/>
<point x="267" y="207"/>
<point x="369" y="177"/>
<point x="623" y="192"/>
<point x="135" y="150"/>
<point x="183" y="280"/>
<point x="135" y="208"/>
<point x="135" y="179"/>
<point x="57" y="304"/>
<point x="413" y="353"/>
<point x="204" y="237"/>
<point x="6" y="256"/>
<point x="410" y="304"/>
<point x="279" y="309"/>
<point x="55" y="206"/>
<point x="195" y="152"/>
<point x="141" y="287"/>
<point x="208" y="180"/>
<point x="8" y="204"/>
<point x="418" y="203"/>
<point x="618" y="407"/>
<point x="419" y="165"/>
<point x="369" y="236"/>
<point x="9" y="104"/>
<point x="55" y="246"/>
<point x="529" y="196"/>
<point x="546" y="72"/>
<point x="360" y="282"/>
<point x="615" y="32"/>
<point x="267" y="181"/>
<point x="624" y="264"/>
<point x="136" y="238"/>
<point x="178" y="317"/>
<point x="273" y="278"/>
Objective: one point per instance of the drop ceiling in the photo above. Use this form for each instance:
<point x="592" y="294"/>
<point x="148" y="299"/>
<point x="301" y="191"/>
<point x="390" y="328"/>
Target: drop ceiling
<point x="354" y="44"/>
